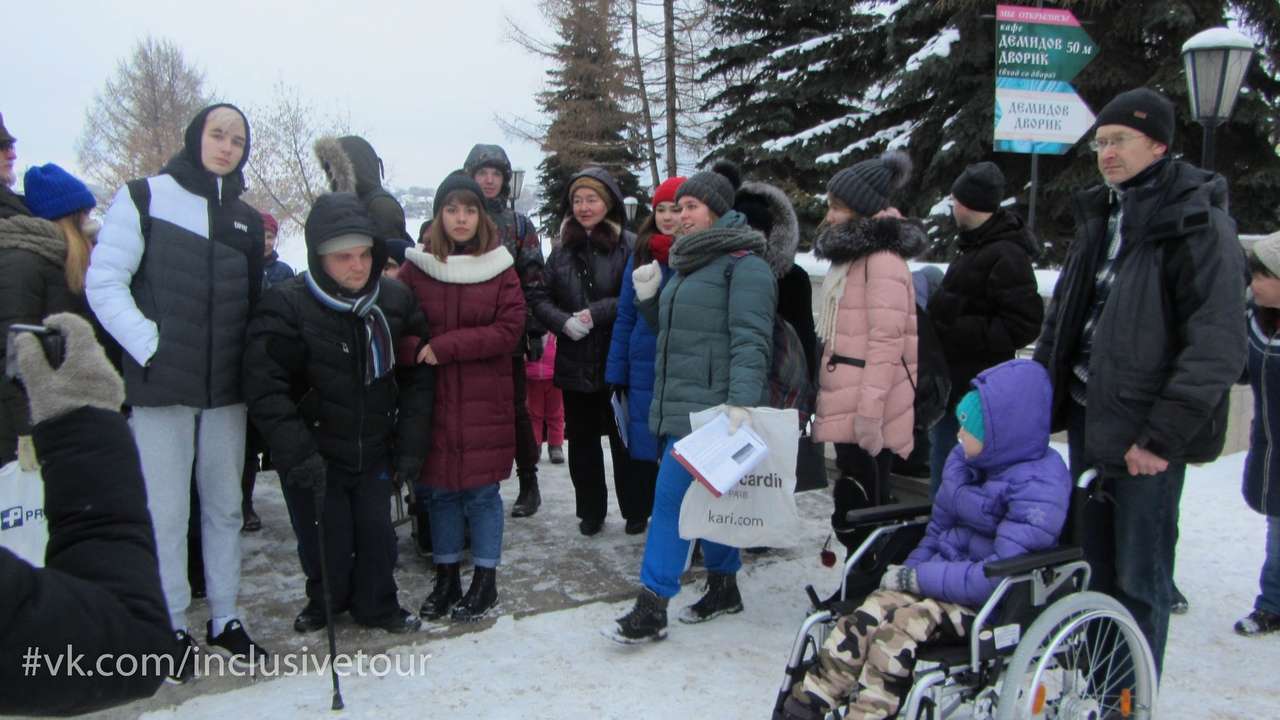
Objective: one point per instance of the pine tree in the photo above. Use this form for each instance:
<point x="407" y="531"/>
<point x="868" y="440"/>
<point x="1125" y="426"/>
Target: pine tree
<point x="585" y="101"/>
<point x="919" y="75"/>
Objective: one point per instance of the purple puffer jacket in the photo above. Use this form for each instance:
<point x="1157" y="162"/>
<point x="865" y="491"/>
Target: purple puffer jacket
<point x="1009" y="500"/>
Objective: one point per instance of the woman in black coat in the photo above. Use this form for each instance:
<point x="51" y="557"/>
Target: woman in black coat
<point x="578" y="301"/>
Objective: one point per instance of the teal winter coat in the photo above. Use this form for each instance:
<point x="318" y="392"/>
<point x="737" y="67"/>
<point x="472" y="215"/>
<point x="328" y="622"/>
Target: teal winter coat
<point x="715" y="330"/>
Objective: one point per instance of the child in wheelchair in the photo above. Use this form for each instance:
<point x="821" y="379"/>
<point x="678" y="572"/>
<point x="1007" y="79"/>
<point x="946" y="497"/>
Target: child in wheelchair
<point x="1004" y="493"/>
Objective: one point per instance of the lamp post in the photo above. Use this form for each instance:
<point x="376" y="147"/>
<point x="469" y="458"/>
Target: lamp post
<point x="629" y="205"/>
<point x="1216" y="61"/>
<point x="517" y="184"/>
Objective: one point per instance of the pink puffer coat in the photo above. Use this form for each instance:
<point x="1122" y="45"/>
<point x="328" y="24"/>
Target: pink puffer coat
<point x="868" y="323"/>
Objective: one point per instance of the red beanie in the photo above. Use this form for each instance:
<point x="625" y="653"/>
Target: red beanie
<point x="269" y="224"/>
<point x="666" y="192"/>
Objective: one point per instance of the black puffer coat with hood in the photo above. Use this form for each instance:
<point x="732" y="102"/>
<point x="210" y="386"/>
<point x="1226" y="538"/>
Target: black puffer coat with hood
<point x="354" y="167"/>
<point x="585" y="272"/>
<point x="305" y="363"/>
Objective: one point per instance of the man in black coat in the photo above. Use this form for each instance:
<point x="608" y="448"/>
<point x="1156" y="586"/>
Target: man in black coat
<point x="99" y="592"/>
<point x="489" y="167"/>
<point x="10" y="202"/>
<point x="322" y="385"/>
<point x="988" y="306"/>
<point x="1142" y="341"/>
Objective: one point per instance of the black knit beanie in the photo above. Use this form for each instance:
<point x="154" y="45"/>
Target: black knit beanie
<point x="716" y="188"/>
<point x="980" y="187"/>
<point x="457" y="180"/>
<point x="866" y="187"/>
<point x="1142" y="109"/>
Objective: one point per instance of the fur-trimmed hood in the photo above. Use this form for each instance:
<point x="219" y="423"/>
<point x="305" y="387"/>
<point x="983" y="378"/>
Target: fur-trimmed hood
<point x="849" y="241"/>
<point x="351" y="164"/>
<point x="769" y="210"/>
<point x="35" y="235"/>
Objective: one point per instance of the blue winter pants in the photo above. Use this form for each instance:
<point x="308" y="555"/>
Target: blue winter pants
<point x="666" y="554"/>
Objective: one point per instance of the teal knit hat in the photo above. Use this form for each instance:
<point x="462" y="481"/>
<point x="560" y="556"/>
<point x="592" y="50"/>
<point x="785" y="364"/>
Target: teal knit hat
<point x="969" y="413"/>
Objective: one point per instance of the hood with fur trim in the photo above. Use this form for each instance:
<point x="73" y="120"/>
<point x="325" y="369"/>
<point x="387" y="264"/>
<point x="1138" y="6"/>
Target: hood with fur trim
<point x="769" y="210"/>
<point x="351" y="163"/>
<point x="849" y="241"/>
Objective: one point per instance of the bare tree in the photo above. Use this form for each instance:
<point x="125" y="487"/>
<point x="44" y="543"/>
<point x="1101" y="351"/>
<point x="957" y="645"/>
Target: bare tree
<point x="136" y="123"/>
<point x="284" y="176"/>
<point x="637" y="68"/>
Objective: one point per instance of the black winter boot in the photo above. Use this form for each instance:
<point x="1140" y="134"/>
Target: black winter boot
<point x="528" y="501"/>
<point x="422" y="532"/>
<point x="481" y="597"/>
<point x="646" y="621"/>
<point x="446" y="593"/>
<point x="721" y="598"/>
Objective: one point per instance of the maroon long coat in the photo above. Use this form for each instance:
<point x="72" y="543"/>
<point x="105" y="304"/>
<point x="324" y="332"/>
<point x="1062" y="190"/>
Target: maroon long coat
<point x="475" y="308"/>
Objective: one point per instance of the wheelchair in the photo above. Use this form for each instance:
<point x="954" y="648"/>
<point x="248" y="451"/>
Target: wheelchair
<point x="1042" y="646"/>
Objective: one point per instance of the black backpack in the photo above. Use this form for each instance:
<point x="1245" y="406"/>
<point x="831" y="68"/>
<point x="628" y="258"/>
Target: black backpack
<point x="932" y="385"/>
<point x="790" y="385"/>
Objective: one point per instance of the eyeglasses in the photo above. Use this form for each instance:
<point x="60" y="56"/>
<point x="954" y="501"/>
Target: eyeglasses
<point x="1117" y="142"/>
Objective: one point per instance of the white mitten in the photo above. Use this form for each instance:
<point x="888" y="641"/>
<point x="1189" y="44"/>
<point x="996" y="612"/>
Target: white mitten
<point x="646" y="279"/>
<point x="575" y="328"/>
<point x="738" y="416"/>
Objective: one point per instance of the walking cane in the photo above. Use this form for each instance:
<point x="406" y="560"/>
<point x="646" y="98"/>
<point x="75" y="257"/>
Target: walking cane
<point x="324" y="585"/>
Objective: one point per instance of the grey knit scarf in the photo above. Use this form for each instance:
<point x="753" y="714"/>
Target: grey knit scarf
<point x="729" y="234"/>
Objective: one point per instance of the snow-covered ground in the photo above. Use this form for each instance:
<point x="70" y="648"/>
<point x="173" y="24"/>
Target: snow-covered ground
<point x="555" y="664"/>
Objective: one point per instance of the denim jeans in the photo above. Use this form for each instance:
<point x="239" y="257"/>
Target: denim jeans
<point x="666" y="554"/>
<point x="942" y="438"/>
<point x="451" y="512"/>
<point x="1269" y="599"/>
<point x="1128" y="532"/>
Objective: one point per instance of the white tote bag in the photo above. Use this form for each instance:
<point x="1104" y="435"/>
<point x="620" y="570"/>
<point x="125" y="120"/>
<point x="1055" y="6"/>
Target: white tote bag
<point x="22" y="524"/>
<point x="761" y="510"/>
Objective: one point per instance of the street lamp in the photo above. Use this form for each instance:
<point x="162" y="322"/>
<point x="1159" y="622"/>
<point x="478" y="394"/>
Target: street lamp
<point x="517" y="183"/>
<point x="1216" y="61"/>
<point x="629" y="205"/>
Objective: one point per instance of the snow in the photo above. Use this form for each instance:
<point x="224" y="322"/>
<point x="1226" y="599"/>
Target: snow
<point x="782" y="143"/>
<point x="938" y="46"/>
<point x="810" y="44"/>
<point x="889" y="134"/>
<point x="948" y="145"/>
<point x="555" y="665"/>
<point x="942" y="207"/>
<point x="886" y="11"/>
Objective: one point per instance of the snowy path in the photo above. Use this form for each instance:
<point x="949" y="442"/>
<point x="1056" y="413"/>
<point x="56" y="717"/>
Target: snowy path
<point x="553" y="664"/>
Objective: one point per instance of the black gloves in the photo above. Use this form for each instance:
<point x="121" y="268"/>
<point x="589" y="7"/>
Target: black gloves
<point x="307" y="475"/>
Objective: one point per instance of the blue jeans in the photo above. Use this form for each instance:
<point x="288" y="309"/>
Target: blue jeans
<point x="666" y="554"/>
<point x="1128" y="532"/>
<point x="1269" y="600"/>
<point x="942" y="438"/>
<point x="451" y="512"/>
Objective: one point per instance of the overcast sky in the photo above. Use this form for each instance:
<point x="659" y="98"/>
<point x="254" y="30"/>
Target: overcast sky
<point x="422" y="79"/>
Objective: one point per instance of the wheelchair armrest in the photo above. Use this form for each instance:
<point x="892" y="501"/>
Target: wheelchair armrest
<point x="887" y="513"/>
<point x="1031" y="561"/>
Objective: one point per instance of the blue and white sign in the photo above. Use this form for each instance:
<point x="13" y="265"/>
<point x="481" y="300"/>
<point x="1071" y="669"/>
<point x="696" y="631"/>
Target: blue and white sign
<point x="1038" y="116"/>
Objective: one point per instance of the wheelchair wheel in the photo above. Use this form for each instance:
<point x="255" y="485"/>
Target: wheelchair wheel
<point x="1084" y="658"/>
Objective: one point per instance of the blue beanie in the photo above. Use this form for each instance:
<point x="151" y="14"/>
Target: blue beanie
<point x="969" y="413"/>
<point x="52" y="192"/>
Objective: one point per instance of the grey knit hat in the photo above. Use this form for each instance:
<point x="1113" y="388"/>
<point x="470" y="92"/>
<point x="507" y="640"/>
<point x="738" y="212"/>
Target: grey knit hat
<point x="866" y="187"/>
<point x="716" y="188"/>
<point x="980" y="187"/>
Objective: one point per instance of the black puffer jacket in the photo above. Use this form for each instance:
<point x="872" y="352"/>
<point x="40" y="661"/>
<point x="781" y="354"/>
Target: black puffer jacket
<point x="176" y="291"/>
<point x="1169" y="342"/>
<point x="354" y="167"/>
<point x="584" y="272"/>
<point x="988" y="306"/>
<point x="100" y="588"/>
<point x="304" y="368"/>
<point x="518" y="233"/>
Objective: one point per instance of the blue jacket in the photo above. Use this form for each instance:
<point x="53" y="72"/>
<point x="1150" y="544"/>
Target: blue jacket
<point x="1009" y="500"/>
<point x="275" y="271"/>
<point x="632" y="352"/>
